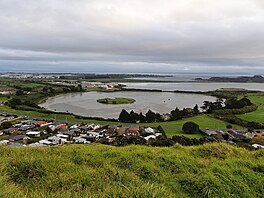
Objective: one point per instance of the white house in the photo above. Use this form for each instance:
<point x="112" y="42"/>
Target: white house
<point x="150" y="137"/>
<point x="149" y="130"/>
<point x="33" y="134"/>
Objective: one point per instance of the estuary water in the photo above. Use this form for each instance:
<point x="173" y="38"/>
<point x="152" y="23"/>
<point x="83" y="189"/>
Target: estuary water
<point x="86" y="104"/>
<point x="194" y="86"/>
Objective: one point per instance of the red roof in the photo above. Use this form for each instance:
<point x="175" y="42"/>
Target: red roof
<point x="62" y="126"/>
<point x="40" y="123"/>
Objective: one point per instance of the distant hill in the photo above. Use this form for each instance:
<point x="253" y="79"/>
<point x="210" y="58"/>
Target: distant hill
<point x="241" y="79"/>
<point x="211" y="170"/>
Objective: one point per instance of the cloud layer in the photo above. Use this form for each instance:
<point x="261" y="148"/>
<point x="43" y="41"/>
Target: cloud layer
<point x="134" y="36"/>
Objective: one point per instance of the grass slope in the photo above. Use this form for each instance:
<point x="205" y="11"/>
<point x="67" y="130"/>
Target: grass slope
<point x="213" y="170"/>
<point x="258" y="115"/>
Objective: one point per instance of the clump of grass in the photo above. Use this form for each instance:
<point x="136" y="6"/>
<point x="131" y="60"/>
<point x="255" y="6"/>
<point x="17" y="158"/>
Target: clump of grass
<point x="22" y="171"/>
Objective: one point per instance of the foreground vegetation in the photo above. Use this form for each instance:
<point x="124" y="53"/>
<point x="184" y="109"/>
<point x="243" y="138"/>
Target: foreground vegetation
<point x="211" y="170"/>
<point x="116" y="100"/>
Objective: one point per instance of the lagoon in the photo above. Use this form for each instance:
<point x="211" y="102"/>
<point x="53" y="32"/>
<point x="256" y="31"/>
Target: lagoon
<point x="86" y="103"/>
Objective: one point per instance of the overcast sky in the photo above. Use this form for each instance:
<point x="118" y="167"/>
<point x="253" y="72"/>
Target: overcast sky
<point x="132" y="36"/>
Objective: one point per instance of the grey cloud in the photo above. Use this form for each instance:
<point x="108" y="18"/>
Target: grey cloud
<point x="114" y="34"/>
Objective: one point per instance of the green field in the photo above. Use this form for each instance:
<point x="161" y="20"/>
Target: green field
<point x="116" y="100"/>
<point x="204" y="121"/>
<point x="258" y="115"/>
<point x="212" y="170"/>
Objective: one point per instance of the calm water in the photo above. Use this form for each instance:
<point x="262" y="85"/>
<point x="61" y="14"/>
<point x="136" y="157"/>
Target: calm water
<point x="86" y="104"/>
<point x="194" y="86"/>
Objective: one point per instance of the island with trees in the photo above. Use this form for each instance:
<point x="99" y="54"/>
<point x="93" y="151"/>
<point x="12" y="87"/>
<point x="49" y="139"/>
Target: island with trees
<point x="116" y="100"/>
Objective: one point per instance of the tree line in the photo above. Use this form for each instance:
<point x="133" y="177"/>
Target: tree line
<point x="151" y="116"/>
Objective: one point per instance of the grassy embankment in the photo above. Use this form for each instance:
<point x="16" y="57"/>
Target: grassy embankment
<point x="258" y="115"/>
<point x="116" y="100"/>
<point x="212" y="170"/>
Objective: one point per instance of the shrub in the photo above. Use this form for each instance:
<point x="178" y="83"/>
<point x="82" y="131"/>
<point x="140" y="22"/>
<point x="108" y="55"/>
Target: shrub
<point x="191" y="128"/>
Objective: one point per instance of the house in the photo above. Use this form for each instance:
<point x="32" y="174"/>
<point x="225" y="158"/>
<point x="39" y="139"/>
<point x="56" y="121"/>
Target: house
<point x="121" y="130"/>
<point x="62" y="126"/>
<point x="9" y="131"/>
<point x="158" y="134"/>
<point x="74" y="126"/>
<point x="70" y="134"/>
<point x="4" y="142"/>
<point x="150" y="137"/>
<point x="149" y="130"/>
<point x="57" y="140"/>
<point x="28" y="122"/>
<point x="7" y="91"/>
<point x="133" y="131"/>
<point x="62" y="136"/>
<point x="92" y="134"/>
<point x="80" y="140"/>
<point x="40" y="123"/>
<point x="75" y="131"/>
<point x="258" y="146"/>
<point x="46" y="142"/>
<point x="33" y="133"/>
<point x="17" y="137"/>
<point x="89" y="138"/>
<point x="36" y="144"/>
<point x="26" y="127"/>
<point x="84" y="129"/>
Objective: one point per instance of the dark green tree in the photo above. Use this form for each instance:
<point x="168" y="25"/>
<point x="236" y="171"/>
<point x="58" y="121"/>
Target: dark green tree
<point x="124" y="116"/>
<point x="191" y="128"/>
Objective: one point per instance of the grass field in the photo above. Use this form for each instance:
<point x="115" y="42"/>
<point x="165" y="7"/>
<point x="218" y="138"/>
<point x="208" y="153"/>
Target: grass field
<point x="212" y="170"/>
<point x="258" y="115"/>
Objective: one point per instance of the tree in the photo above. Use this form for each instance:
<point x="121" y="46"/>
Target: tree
<point x="229" y="126"/>
<point x="5" y="125"/>
<point x="142" y="118"/>
<point x="206" y="105"/>
<point x="124" y="116"/>
<point x="176" y="114"/>
<point x="191" y="128"/>
<point x="150" y="116"/>
<point x="19" y="92"/>
<point x="196" y="109"/>
<point x="134" y="117"/>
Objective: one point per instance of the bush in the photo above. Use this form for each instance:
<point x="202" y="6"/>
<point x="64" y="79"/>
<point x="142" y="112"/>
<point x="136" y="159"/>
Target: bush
<point x="5" y="125"/>
<point x="191" y="128"/>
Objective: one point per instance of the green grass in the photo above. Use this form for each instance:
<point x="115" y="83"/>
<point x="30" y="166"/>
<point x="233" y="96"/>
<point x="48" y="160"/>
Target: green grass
<point x="258" y="115"/>
<point x="204" y="121"/>
<point x="116" y="100"/>
<point x="3" y="99"/>
<point x="212" y="170"/>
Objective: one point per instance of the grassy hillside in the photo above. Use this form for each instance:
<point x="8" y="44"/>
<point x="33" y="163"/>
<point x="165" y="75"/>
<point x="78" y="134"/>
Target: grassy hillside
<point x="258" y="115"/>
<point x="213" y="170"/>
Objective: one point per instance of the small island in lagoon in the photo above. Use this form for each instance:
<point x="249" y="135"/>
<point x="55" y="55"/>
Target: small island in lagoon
<point x="116" y="100"/>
